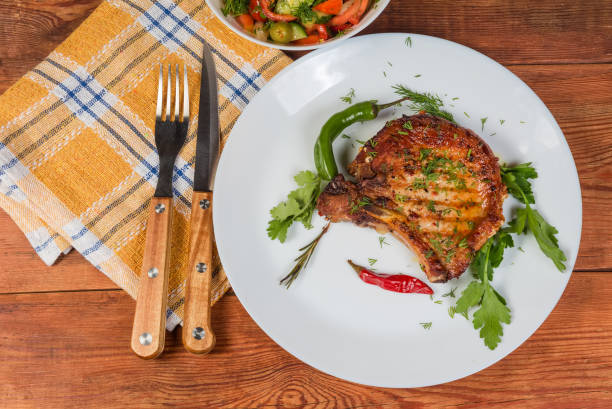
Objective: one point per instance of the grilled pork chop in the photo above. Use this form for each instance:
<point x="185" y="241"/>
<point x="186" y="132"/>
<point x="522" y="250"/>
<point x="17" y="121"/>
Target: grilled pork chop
<point x="435" y="185"/>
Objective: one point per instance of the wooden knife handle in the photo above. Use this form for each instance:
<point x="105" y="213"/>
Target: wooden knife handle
<point x="198" y="336"/>
<point x="149" y="329"/>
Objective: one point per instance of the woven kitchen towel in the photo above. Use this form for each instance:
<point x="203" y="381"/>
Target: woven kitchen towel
<point x="78" y="165"/>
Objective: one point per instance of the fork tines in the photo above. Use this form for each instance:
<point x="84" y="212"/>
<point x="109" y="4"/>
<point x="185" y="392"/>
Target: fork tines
<point x="165" y="116"/>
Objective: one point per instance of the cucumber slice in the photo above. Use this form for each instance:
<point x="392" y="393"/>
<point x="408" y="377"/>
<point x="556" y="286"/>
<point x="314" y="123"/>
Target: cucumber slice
<point x="281" y="32"/>
<point x="298" y="31"/>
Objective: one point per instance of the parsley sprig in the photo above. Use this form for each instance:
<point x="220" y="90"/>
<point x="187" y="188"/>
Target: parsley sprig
<point x="493" y="311"/>
<point x="517" y="180"/>
<point x="298" y="207"/>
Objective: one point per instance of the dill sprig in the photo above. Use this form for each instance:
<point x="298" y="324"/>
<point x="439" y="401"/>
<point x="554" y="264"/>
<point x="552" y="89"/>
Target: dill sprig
<point x="430" y="103"/>
<point x="304" y="13"/>
<point x="302" y="260"/>
<point x="235" y="7"/>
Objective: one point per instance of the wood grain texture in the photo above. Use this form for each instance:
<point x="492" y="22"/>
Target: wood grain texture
<point x="21" y="268"/>
<point x="152" y="299"/>
<point x="197" y="294"/>
<point x="580" y="98"/>
<point x="31" y="29"/>
<point x="517" y="32"/>
<point x="71" y="349"/>
<point x="511" y="32"/>
<point x="567" y="363"/>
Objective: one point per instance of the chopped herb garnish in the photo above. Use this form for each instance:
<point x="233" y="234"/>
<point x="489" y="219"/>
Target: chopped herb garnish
<point x="466" y="114"/>
<point x="381" y="241"/>
<point x="417" y="75"/>
<point x="469" y="154"/>
<point x="438" y="302"/>
<point x="463" y="243"/>
<point x="407" y="125"/>
<point x="521" y="249"/>
<point x="482" y="121"/>
<point x="372" y="261"/>
<point x="373" y="153"/>
<point x="451" y="311"/>
<point x="389" y="62"/>
<point x="348" y="98"/>
<point x="361" y="142"/>
<point x="424" y="153"/>
<point x="431" y="206"/>
<point x="345" y="136"/>
<point x="408" y="41"/>
<point x="450" y="294"/>
<point x="403" y="133"/>
<point x="426" y="325"/>
<point x="455" y="98"/>
<point x="501" y="121"/>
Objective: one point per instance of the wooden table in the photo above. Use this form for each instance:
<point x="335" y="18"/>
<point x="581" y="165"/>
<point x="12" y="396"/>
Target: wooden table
<point x="65" y="330"/>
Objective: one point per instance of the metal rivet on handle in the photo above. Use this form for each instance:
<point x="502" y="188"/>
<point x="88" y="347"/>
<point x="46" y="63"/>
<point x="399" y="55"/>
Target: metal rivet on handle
<point x="198" y="333"/>
<point x="152" y="273"/>
<point x="204" y="204"/>
<point x="145" y="338"/>
<point x="201" y="267"/>
<point x="160" y="208"/>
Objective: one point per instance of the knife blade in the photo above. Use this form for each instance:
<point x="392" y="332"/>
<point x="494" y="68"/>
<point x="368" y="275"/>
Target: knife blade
<point x="207" y="145"/>
<point x="198" y="336"/>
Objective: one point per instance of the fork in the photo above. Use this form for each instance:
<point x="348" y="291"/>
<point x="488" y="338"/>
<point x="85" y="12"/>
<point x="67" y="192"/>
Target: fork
<point x="149" y="329"/>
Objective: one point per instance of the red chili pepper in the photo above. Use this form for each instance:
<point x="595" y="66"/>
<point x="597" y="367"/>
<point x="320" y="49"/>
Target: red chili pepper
<point x="256" y="11"/>
<point x="399" y="283"/>
<point x="265" y="7"/>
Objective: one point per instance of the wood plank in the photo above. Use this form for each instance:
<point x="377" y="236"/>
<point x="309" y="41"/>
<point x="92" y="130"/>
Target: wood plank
<point x="511" y="32"/>
<point x="31" y="29"/>
<point x="73" y="351"/>
<point x="517" y="32"/>
<point x="579" y="97"/>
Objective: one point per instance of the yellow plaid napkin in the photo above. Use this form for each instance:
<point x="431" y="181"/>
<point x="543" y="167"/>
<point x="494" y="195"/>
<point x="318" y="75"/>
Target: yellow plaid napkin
<point x="78" y="165"/>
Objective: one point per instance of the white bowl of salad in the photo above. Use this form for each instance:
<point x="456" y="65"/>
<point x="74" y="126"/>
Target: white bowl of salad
<point x="297" y="24"/>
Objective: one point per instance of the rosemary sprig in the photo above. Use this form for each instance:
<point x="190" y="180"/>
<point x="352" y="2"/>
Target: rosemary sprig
<point x="302" y="260"/>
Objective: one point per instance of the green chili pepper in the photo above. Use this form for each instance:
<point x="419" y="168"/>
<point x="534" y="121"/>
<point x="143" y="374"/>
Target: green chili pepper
<point x="323" y="151"/>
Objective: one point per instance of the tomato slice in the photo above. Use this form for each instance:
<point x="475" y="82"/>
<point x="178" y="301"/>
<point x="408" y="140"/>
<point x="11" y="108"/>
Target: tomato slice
<point x="329" y="7"/>
<point x="256" y="11"/>
<point x="311" y="39"/>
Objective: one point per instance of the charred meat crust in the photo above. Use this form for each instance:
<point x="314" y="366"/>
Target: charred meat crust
<point x="435" y="185"/>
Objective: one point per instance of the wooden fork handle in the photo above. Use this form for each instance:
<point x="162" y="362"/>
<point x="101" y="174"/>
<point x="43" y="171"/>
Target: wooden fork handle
<point x="198" y="336"/>
<point x="149" y="329"/>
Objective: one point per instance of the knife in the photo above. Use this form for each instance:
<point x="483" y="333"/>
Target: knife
<point x="198" y="336"/>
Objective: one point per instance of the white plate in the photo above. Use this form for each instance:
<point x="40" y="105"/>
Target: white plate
<point x="229" y="21"/>
<point x="329" y="318"/>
